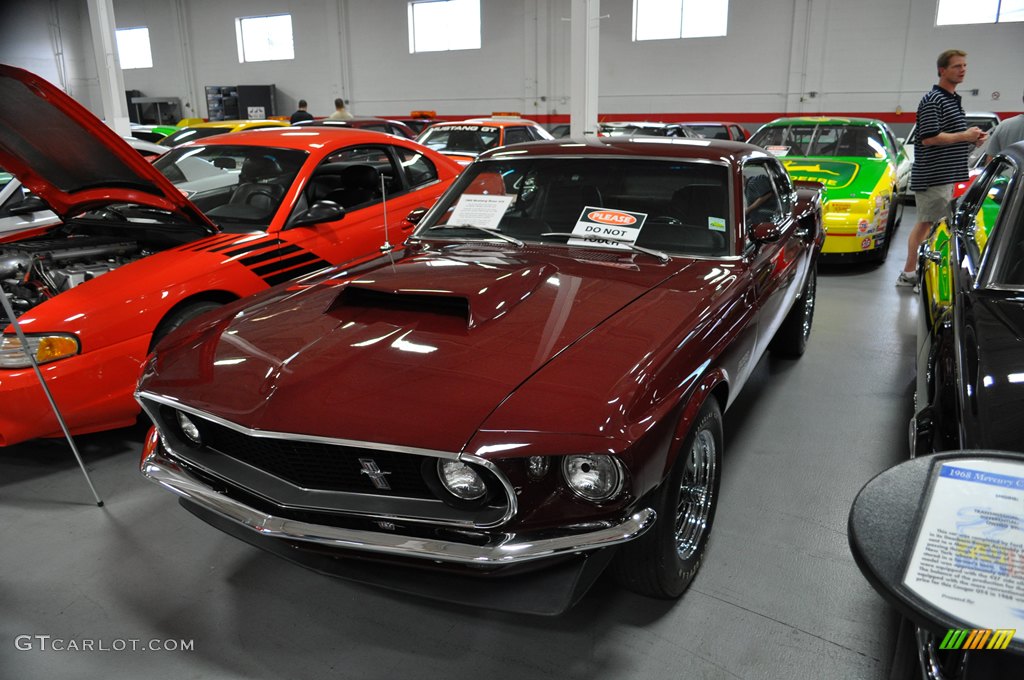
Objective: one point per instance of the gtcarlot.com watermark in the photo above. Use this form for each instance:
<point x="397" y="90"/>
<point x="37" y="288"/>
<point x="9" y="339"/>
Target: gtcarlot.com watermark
<point x="50" y="643"/>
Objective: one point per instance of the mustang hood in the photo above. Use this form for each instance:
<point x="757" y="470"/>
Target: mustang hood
<point x="70" y="159"/>
<point x="842" y="179"/>
<point x="417" y="354"/>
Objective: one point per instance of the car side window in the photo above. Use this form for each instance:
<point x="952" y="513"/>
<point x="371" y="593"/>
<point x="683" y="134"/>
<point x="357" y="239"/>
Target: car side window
<point x="983" y="215"/>
<point x="760" y="200"/>
<point x="515" y="135"/>
<point x="783" y="184"/>
<point x="417" y="168"/>
<point x="737" y="133"/>
<point x="354" y="177"/>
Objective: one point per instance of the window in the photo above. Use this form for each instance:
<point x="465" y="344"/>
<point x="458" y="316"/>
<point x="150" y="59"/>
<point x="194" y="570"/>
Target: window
<point x="666" y="19"/>
<point x="760" y="204"/>
<point x="440" y="25"/>
<point x="133" y="48"/>
<point x="514" y="135"/>
<point x="264" y="38"/>
<point x="418" y="170"/>
<point x="952" y="12"/>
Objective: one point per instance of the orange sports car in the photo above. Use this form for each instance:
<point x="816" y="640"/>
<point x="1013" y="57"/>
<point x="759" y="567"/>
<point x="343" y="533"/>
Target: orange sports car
<point x="464" y="140"/>
<point x="141" y="248"/>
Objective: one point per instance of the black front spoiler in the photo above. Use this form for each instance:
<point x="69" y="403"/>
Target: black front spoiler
<point x="549" y="591"/>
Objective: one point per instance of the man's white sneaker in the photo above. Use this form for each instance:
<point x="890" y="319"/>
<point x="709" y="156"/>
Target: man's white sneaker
<point x="907" y="279"/>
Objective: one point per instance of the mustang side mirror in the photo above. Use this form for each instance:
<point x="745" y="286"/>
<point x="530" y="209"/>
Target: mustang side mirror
<point x="321" y="211"/>
<point x="765" y="232"/>
<point x="416" y="215"/>
<point x="29" y="204"/>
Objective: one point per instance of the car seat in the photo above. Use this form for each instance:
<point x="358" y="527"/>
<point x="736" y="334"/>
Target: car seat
<point x="256" y="185"/>
<point x="359" y="184"/>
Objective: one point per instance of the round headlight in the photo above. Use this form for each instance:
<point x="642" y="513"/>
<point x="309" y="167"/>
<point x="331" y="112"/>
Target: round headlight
<point x="189" y="429"/>
<point x="592" y="477"/>
<point x="460" y="480"/>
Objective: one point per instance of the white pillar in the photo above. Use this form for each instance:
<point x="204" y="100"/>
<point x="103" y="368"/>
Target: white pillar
<point x="586" y="28"/>
<point x="108" y="68"/>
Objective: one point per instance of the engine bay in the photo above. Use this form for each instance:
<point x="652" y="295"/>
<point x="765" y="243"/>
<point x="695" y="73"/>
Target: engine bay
<point x="34" y="271"/>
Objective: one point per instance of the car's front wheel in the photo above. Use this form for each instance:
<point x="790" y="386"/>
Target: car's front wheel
<point x="663" y="562"/>
<point x="791" y="338"/>
<point x="179" y="316"/>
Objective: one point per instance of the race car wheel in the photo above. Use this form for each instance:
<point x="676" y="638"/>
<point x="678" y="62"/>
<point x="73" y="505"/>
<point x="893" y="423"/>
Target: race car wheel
<point x="790" y="340"/>
<point x="179" y="316"/>
<point x="663" y="562"/>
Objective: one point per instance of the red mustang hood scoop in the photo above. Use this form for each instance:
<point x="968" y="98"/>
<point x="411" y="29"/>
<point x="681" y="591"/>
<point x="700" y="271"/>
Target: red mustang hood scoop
<point x="476" y="292"/>
<point x="70" y="159"/>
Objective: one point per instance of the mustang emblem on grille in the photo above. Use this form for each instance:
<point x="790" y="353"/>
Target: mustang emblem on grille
<point x="376" y="475"/>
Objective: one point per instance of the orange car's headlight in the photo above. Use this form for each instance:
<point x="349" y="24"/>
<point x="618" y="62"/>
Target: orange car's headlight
<point x="45" y="348"/>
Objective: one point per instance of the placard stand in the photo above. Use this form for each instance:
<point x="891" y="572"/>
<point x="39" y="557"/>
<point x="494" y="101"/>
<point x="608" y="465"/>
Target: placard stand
<point x="9" y="310"/>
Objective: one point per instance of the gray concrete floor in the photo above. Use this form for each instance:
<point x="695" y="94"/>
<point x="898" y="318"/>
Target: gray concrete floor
<point x="779" y="595"/>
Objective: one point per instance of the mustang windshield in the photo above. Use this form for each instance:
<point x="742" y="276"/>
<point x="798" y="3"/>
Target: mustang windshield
<point x="669" y="206"/>
<point x="233" y="185"/>
<point x="821" y="140"/>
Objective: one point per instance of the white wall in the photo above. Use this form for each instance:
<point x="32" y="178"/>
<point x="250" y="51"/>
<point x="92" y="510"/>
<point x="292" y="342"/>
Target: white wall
<point x="870" y="56"/>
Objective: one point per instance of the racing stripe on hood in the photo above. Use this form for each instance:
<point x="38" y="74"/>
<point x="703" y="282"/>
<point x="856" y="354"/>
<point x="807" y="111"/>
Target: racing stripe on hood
<point x="284" y="263"/>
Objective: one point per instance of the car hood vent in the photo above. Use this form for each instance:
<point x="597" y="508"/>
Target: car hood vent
<point x="446" y="286"/>
<point x="426" y="303"/>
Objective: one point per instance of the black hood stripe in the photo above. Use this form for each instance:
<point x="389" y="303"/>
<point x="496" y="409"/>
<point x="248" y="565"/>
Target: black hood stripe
<point x="295" y="273"/>
<point x="274" y="267"/>
<point x="271" y="254"/>
<point x="248" y="248"/>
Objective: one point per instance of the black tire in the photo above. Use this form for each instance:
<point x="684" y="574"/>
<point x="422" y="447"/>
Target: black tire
<point x="890" y="232"/>
<point x="178" y="317"/>
<point x="790" y="340"/>
<point x="663" y="562"/>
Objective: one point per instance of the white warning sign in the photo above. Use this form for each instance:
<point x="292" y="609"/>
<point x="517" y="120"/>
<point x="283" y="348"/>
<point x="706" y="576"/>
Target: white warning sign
<point x="607" y="227"/>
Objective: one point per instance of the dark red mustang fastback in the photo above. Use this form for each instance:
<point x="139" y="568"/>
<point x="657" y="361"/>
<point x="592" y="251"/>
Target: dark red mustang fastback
<point x="532" y="389"/>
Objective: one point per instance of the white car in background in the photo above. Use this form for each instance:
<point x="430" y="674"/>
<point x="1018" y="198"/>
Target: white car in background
<point x="986" y="120"/>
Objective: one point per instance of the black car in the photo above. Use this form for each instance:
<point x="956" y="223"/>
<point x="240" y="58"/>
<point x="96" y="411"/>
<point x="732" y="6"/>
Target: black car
<point x="970" y="377"/>
<point x="970" y="386"/>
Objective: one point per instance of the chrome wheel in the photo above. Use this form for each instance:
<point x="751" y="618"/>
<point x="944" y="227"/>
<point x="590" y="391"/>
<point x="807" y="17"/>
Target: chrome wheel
<point x="696" y="494"/>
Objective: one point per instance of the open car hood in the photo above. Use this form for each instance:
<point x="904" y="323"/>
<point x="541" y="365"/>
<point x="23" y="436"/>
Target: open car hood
<point x="70" y="159"/>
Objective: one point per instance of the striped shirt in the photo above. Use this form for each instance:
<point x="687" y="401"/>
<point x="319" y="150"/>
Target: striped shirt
<point x="939" y="111"/>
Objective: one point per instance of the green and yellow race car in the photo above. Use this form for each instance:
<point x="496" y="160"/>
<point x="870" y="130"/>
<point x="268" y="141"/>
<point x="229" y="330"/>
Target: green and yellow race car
<point x="856" y="160"/>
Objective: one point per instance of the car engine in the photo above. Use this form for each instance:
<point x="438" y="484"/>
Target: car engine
<point x="34" y="271"/>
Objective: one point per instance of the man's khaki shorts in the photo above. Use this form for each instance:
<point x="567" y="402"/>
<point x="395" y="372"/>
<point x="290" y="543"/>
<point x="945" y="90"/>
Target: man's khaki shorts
<point x="933" y="203"/>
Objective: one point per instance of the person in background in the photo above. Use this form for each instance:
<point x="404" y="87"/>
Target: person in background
<point x="941" y="146"/>
<point x="1009" y="131"/>
<point x="340" y="112"/>
<point x="301" y="113"/>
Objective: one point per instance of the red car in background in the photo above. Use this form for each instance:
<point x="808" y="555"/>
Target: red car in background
<point x="141" y="248"/>
<point x="720" y="130"/>
<point x="385" y="125"/>
<point x="562" y="335"/>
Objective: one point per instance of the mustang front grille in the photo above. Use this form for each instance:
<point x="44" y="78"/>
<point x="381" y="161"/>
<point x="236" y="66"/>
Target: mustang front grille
<point x="328" y="467"/>
<point x="298" y="474"/>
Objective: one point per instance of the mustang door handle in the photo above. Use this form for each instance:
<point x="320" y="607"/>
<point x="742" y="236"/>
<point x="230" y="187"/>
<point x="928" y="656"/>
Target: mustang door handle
<point x="801" y="232"/>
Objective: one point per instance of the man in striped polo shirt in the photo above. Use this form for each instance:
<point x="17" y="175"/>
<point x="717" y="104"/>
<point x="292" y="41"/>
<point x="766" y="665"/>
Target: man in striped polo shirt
<point x="941" y="146"/>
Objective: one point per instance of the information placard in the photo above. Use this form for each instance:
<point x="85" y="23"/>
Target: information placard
<point x="968" y="559"/>
<point x="479" y="210"/>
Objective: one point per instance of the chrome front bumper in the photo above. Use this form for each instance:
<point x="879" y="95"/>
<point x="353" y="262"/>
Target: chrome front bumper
<point x="507" y="549"/>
